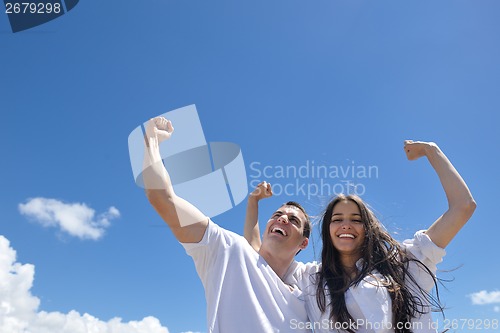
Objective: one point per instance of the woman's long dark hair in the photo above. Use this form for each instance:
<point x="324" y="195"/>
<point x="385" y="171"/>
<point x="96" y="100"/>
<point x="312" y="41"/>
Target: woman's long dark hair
<point x="379" y="252"/>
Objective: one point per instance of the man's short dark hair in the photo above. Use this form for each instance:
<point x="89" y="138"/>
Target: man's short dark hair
<point x="307" y="225"/>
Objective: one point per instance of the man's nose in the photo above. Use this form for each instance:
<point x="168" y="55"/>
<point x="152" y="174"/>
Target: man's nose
<point x="283" y="219"/>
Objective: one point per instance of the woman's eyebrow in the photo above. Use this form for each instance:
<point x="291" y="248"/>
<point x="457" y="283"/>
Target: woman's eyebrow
<point x="355" y="214"/>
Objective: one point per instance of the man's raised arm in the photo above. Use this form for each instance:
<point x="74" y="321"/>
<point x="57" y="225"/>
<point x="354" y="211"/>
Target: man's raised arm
<point x="185" y="220"/>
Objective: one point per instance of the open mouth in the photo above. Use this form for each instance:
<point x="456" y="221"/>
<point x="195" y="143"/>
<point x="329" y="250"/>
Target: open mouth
<point x="346" y="236"/>
<point x="279" y="230"/>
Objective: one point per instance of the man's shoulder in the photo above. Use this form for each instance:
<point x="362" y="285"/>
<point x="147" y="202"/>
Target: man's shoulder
<point x="299" y="270"/>
<point x="220" y="242"/>
<point x="303" y="275"/>
<point x="213" y="235"/>
<point x="218" y="234"/>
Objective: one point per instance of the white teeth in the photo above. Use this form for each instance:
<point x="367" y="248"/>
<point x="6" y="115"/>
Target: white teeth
<point x="279" y="230"/>
<point x="346" y="236"/>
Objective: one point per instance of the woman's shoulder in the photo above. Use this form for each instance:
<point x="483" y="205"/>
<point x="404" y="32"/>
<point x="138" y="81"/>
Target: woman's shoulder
<point x="423" y="248"/>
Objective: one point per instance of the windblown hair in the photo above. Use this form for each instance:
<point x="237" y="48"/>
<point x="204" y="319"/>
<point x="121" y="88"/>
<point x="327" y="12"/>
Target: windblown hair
<point x="380" y="252"/>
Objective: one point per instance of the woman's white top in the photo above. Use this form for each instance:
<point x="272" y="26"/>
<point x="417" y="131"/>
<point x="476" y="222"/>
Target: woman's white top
<point x="369" y="303"/>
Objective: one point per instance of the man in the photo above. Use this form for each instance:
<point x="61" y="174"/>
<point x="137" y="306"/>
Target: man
<point x="245" y="290"/>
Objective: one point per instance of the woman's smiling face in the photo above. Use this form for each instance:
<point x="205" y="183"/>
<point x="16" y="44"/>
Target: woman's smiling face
<point x="347" y="230"/>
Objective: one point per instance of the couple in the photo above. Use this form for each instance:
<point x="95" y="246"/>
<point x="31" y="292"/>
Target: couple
<point x="364" y="273"/>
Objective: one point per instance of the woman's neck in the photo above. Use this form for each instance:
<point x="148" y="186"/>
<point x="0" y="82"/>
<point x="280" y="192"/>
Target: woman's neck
<point x="349" y="264"/>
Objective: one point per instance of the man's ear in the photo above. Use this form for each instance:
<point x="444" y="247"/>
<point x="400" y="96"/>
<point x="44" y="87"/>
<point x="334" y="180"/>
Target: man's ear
<point x="304" y="244"/>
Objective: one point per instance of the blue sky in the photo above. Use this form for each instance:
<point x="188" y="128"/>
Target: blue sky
<point x="340" y="83"/>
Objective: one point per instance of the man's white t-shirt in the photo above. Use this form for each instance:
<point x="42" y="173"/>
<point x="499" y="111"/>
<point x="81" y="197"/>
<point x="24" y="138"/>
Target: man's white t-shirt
<point x="243" y="293"/>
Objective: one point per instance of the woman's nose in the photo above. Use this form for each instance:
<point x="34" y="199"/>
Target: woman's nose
<point x="346" y="225"/>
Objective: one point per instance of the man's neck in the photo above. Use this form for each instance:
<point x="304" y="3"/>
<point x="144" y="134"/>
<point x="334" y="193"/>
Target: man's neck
<point x="279" y="265"/>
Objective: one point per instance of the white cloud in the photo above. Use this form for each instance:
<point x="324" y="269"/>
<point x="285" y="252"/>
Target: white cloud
<point x="17" y="305"/>
<point x="73" y="322"/>
<point x="75" y="219"/>
<point x="485" y="297"/>
<point x="19" y="308"/>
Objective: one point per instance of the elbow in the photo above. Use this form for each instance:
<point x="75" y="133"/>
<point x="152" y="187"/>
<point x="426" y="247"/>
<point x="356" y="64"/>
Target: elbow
<point x="152" y="196"/>
<point x="157" y="197"/>
<point x="471" y="205"/>
<point x="468" y="207"/>
<point x="163" y="204"/>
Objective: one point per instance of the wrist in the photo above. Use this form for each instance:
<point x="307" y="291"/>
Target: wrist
<point x="431" y="148"/>
<point x="253" y="199"/>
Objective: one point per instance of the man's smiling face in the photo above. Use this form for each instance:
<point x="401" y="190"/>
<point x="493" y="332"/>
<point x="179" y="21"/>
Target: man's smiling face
<point x="285" y="229"/>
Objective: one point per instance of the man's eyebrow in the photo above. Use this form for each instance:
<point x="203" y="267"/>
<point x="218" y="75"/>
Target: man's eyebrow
<point x="293" y="214"/>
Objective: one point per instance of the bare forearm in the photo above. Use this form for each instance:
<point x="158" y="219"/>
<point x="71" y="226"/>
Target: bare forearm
<point x="157" y="183"/>
<point x="251" y="229"/>
<point x="186" y="222"/>
<point x="155" y="176"/>
<point x="461" y="204"/>
<point x="457" y="192"/>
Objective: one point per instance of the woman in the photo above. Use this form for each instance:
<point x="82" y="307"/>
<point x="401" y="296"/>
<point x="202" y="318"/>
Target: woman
<point x="368" y="282"/>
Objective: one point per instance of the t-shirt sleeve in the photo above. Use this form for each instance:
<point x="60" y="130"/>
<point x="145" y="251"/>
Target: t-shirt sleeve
<point x="206" y="252"/>
<point x="422" y="248"/>
<point x="303" y="275"/>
